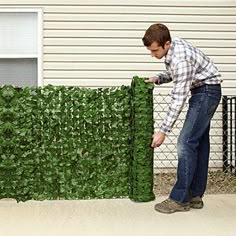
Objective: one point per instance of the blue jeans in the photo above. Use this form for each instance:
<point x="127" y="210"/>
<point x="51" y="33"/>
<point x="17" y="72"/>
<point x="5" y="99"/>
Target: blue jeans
<point x="193" y="144"/>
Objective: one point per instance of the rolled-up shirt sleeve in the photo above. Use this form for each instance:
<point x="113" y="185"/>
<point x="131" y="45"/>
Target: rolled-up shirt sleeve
<point x="182" y="74"/>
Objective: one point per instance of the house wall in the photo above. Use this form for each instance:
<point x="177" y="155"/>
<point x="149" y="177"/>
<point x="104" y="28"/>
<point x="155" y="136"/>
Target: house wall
<point x="97" y="43"/>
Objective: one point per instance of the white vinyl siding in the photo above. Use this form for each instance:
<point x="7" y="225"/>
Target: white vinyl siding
<point x="97" y="43"/>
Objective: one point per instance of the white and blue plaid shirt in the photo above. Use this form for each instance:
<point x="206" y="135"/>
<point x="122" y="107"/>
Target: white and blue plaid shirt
<point x="188" y="68"/>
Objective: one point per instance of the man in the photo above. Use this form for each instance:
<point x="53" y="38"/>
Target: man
<point x="190" y="71"/>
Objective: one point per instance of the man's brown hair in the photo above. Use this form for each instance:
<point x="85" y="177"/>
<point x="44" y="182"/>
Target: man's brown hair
<point x="156" y="33"/>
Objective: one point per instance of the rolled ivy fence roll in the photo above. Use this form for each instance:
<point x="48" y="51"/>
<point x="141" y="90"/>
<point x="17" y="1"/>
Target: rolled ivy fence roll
<point x="76" y="143"/>
<point x="142" y="129"/>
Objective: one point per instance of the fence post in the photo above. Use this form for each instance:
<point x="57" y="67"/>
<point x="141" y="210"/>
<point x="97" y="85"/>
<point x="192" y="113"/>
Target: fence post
<point x="225" y="133"/>
<point x="231" y="134"/>
<point x="235" y="136"/>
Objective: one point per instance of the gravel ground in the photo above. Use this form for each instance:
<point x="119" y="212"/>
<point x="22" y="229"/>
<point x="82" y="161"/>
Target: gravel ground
<point x="218" y="183"/>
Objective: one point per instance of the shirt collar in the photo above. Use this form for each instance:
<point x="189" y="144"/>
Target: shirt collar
<point x="169" y="54"/>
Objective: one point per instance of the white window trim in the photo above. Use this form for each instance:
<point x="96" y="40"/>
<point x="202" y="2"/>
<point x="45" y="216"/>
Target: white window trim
<point x="39" y="55"/>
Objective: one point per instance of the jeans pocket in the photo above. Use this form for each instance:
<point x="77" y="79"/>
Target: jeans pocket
<point x="213" y="102"/>
<point x="196" y="101"/>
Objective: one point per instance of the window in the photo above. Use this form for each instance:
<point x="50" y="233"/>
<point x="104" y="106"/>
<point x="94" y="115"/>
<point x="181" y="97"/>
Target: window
<point x="21" y="47"/>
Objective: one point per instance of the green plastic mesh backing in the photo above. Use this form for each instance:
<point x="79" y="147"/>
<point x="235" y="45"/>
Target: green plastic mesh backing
<point x="76" y="143"/>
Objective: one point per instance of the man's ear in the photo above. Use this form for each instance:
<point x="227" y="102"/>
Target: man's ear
<point x="167" y="43"/>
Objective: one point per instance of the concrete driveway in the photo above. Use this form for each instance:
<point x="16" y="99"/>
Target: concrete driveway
<point x="116" y="217"/>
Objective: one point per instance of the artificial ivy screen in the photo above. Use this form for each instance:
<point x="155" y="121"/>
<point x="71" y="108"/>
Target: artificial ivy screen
<point x="76" y="143"/>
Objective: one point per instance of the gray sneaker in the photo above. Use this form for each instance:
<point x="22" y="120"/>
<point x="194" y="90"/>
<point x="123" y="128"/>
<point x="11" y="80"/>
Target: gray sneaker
<point x="196" y="203"/>
<point x="169" y="206"/>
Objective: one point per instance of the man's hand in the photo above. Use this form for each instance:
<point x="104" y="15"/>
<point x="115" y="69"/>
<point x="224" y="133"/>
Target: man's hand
<point x="157" y="139"/>
<point x="151" y="80"/>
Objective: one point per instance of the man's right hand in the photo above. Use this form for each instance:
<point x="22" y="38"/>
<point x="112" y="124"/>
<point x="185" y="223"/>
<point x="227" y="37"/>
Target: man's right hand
<point x="151" y="80"/>
<point x="157" y="139"/>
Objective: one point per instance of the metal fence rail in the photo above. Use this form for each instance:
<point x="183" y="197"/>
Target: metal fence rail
<point x="229" y="134"/>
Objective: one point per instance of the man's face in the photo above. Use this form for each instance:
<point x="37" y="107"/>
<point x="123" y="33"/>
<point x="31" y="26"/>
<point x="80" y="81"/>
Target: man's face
<point x="158" y="51"/>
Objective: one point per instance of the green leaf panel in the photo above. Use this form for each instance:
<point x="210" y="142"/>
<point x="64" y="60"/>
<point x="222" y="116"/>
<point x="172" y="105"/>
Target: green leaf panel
<point x="60" y="142"/>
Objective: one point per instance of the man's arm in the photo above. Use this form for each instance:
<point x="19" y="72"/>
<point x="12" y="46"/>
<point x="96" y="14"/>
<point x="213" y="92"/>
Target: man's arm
<point x="183" y="74"/>
<point x="161" y="78"/>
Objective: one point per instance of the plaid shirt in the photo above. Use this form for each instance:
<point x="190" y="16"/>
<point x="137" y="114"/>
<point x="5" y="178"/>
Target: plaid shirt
<point x="188" y="68"/>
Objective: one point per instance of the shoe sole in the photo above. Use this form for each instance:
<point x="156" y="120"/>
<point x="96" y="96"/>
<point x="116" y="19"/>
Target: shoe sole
<point x="183" y="209"/>
<point x="198" y="205"/>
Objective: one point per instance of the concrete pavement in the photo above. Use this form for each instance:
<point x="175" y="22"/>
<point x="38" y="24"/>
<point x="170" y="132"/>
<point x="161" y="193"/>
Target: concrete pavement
<point x="116" y="217"/>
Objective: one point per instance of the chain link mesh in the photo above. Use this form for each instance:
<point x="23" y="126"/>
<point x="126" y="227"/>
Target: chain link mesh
<point x="222" y="163"/>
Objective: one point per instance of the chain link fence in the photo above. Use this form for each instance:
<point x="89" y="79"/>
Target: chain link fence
<point x="222" y="163"/>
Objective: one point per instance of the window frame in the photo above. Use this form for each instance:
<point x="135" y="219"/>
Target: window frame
<point x="39" y="54"/>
